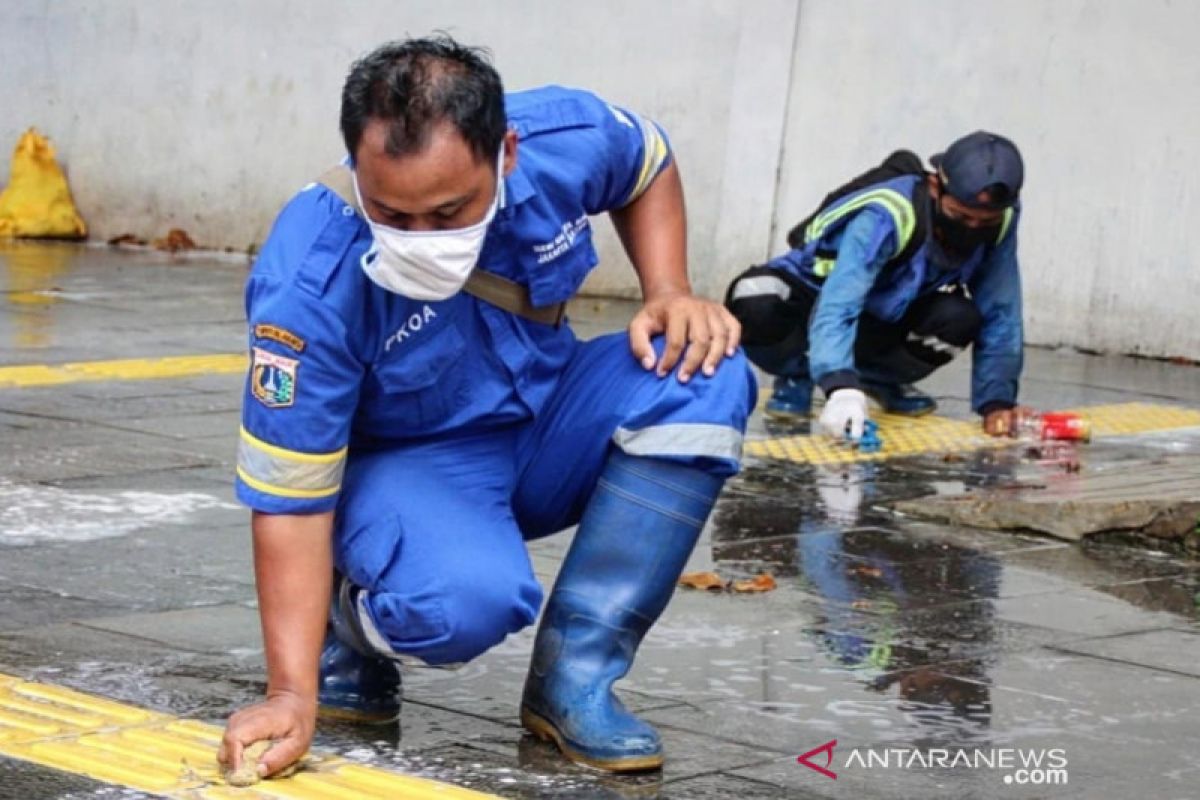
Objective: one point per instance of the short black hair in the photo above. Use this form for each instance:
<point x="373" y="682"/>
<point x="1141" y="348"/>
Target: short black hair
<point x="414" y="84"/>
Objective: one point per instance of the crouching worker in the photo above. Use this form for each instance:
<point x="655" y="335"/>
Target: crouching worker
<point x="891" y="277"/>
<point x="417" y="407"/>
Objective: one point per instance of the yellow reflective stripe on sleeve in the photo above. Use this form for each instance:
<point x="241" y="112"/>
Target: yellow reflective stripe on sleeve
<point x="288" y="473"/>
<point x="293" y="455"/>
<point x="281" y="491"/>
<point x="897" y="205"/>
<point x="654" y="153"/>
<point x="823" y="266"/>
<point x="1008" y="218"/>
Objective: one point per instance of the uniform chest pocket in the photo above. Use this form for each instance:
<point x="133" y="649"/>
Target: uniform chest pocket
<point x="557" y="267"/>
<point x="425" y="383"/>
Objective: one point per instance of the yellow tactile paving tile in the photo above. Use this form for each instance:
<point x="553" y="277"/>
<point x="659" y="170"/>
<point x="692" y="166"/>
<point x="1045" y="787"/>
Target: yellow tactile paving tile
<point x="1128" y="418"/>
<point x="128" y="746"/>
<point x="907" y="436"/>
<point x="125" y="369"/>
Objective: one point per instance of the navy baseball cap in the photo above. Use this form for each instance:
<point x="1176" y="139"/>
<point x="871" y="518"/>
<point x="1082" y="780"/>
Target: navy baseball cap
<point x="979" y="161"/>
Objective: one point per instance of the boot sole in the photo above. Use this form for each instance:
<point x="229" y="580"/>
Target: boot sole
<point x="922" y="413"/>
<point x="787" y="416"/>
<point x="544" y="730"/>
<point x="360" y="717"/>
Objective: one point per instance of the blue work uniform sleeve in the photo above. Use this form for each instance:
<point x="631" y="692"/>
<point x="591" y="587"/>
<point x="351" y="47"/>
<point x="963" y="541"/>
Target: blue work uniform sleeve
<point x="998" y="352"/>
<point x="866" y="245"/>
<point x="629" y="153"/>
<point x="299" y="401"/>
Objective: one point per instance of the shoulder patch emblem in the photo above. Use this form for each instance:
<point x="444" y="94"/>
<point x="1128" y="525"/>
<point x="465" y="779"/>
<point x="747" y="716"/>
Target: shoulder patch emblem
<point x="273" y="379"/>
<point x="281" y="335"/>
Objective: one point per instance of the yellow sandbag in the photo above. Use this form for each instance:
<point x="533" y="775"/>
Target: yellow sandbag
<point x="37" y="202"/>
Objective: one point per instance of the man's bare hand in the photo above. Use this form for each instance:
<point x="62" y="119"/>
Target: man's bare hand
<point x="1003" y="422"/>
<point x="285" y="719"/>
<point x="699" y="333"/>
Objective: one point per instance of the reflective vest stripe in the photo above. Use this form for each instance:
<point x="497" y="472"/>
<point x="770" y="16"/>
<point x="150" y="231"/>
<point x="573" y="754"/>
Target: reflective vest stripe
<point x="896" y="204"/>
<point x="823" y="266"/>
<point x="1008" y="218"/>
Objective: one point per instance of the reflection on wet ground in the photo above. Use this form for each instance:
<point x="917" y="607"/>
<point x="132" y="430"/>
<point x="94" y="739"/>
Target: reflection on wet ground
<point x="884" y="632"/>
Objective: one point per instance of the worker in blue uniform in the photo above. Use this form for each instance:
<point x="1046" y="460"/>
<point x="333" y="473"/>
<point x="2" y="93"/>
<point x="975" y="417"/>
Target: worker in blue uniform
<point x="893" y="275"/>
<point x="417" y="407"/>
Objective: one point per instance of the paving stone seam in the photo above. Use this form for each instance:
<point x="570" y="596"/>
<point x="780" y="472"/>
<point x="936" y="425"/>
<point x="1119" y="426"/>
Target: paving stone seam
<point x="726" y="772"/>
<point x="1066" y="650"/>
<point x="148" y="639"/>
<point x="66" y="482"/>
<point x="725" y="739"/>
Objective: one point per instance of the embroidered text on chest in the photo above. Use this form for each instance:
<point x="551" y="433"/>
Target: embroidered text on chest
<point x="412" y="325"/>
<point x="562" y="242"/>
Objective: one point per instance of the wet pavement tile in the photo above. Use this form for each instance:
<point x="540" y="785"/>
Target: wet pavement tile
<point x="1109" y="721"/>
<point x="1080" y="613"/>
<point x="723" y="786"/>
<point x="515" y="764"/>
<point x="38" y="456"/>
<point x="1178" y="594"/>
<point x="216" y="424"/>
<point x="490" y="686"/>
<point x="125" y="571"/>
<point x="1100" y="565"/>
<point x="136" y="670"/>
<point x="29" y="607"/>
<point x="55" y="404"/>
<point x="20" y="780"/>
<point x="1168" y="650"/>
<point x="153" y="557"/>
<point x="897" y="784"/>
<point x="526" y="771"/>
<point x="204" y="629"/>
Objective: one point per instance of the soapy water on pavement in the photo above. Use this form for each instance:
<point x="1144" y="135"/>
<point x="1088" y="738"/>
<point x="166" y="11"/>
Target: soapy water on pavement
<point x="39" y="514"/>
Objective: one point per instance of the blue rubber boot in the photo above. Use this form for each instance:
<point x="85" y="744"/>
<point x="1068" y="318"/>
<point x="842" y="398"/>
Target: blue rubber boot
<point x="900" y="398"/>
<point x="791" y="399"/>
<point x="356" y="684"/>
<point x="635" y="537"/>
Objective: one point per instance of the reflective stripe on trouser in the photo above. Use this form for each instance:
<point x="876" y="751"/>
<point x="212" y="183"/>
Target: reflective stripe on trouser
<point x="434" y="530"/>
<point x="936" y="328"/>
<point x="760" y="285"/>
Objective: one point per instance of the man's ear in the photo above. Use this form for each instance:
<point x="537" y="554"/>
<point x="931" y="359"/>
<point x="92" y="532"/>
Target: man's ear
<point x="510" y="151"/>
<point x="934" y="184"/>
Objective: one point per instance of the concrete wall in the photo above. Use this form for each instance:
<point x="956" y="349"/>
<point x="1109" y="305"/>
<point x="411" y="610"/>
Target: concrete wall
<point x="1101" y="95"/>
<point x="207" y="116"/>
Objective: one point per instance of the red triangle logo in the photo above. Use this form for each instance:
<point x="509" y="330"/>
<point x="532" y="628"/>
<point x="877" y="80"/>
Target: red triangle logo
<point x="827" y="749"/>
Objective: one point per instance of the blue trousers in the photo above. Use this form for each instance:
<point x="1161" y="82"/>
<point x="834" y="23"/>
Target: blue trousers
<point x="435" y="530"/>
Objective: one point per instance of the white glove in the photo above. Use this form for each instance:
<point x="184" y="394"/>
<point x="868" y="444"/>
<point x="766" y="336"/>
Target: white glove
<point x="845" y="410"/>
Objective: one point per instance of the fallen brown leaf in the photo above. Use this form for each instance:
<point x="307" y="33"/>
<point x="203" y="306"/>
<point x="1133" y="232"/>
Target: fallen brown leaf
<point x="870" y="572"/>
<point x="176" y="239"/>
<point x="126" y="238"/>
<point x="709" y="581"/>
<point x="861" y="604"/>
<point x="759" y="583"/>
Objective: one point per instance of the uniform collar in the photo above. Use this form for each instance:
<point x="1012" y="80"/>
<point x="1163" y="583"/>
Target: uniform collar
<point x="517" y="187"/>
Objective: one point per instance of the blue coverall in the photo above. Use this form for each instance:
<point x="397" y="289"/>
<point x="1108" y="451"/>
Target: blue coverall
<point x="444" y="434"/>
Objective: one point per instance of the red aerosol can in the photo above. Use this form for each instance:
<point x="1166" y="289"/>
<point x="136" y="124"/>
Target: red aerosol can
<point x="1055" y="425"/>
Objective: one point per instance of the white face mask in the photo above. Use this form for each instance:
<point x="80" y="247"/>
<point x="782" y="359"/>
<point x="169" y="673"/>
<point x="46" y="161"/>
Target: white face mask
<point x="427" y="265"/>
